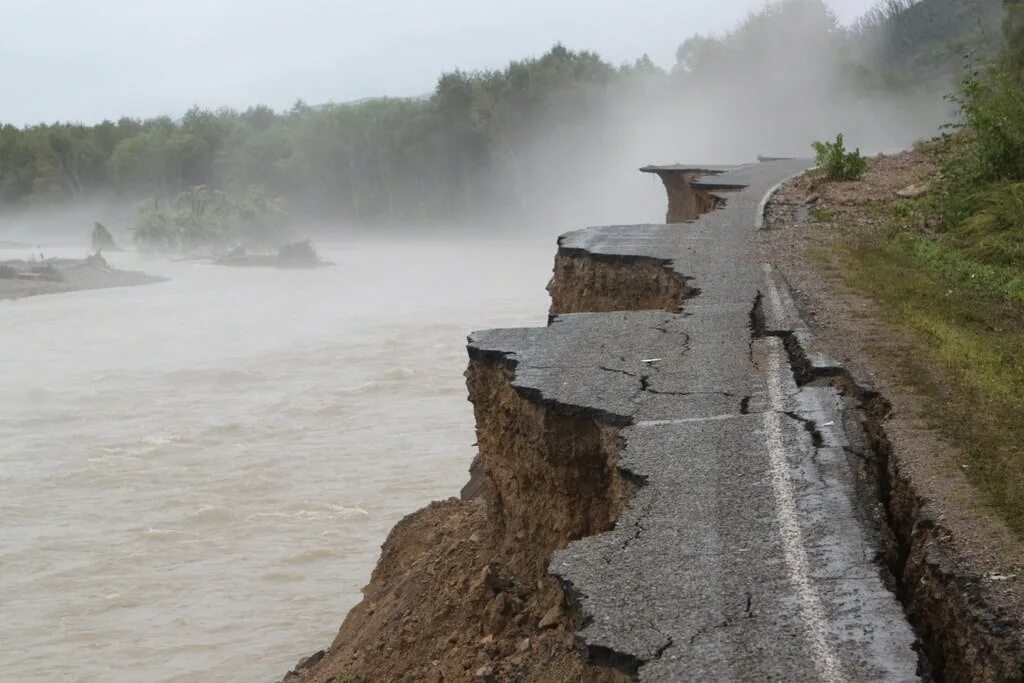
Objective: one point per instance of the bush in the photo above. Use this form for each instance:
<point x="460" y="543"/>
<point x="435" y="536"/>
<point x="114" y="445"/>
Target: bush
<point x="983" y="164"/>
<point x="201" y="219"/>
<point x="101" y="238"/>
<point x="837" y="163"/>
<point x="993" y="109"/>
<point x="994" y="233"/>
<point x="297" y="254"/>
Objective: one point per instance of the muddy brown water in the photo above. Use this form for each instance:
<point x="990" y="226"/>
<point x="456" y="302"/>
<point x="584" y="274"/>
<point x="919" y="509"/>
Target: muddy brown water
<point x="196" y="476"/>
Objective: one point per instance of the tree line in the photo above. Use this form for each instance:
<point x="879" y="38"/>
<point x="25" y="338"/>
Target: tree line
<point x="453" y="154"/>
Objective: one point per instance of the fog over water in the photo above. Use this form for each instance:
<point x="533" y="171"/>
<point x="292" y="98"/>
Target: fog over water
<point x="197" y="475"/>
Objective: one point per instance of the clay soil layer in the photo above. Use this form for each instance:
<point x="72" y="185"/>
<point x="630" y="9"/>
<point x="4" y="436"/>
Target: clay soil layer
<point x="583" y="284"/>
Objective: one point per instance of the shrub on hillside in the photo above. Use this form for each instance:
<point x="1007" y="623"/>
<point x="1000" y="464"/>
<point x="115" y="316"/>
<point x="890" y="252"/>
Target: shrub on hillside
<point x="994" y="234"/>
<point x="837" y="163"/>
<point x="983" y="166"/>
<point x="299" y="253"/>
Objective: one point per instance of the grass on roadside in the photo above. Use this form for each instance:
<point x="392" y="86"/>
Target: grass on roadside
<point x="968" y="321"/>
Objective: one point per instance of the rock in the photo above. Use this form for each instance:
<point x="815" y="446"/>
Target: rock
<point x="812" y="199"/>
<point x="523" y="645"/>
<point x="484" y="673"/>
<point x="914" y="191"/>
<point x="311" y="660"/>
<point x="102" y="239"/>
<point x="304" y="663"/>
<point x="488" y="579"/>
<point x="551" y="617"/>
<point x="475" y="486"/>
<point x="298" y="254"/>
<point x="496" y="613"/>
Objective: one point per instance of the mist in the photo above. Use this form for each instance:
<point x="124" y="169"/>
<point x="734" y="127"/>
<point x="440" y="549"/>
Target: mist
<point x="548" y="143"/>
<point x="780" y="81"/>
<point x="71" y="62"/>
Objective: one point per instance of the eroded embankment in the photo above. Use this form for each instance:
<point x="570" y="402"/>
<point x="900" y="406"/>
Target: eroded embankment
<point x="686" y="202"/>
<point x="954" y="565"/>
<point x="959" y="637"/>
<point x="461" y="590"/>
<point x="585" y="283"/>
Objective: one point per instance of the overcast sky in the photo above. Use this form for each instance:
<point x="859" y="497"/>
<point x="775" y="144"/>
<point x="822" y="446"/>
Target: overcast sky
<point x="89" y="60"/>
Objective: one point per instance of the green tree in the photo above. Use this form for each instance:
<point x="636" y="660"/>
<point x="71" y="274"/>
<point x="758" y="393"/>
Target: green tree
<point x="1013" y="30"/>
<point x="160" y="162"/>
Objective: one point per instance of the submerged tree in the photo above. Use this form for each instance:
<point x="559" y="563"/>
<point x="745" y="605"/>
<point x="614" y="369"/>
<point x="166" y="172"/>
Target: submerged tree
<point x="201" y="219"/>
<point x="102" y="239"/>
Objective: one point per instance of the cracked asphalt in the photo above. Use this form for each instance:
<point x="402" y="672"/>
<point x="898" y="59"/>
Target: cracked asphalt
<point x="749" y="552"/>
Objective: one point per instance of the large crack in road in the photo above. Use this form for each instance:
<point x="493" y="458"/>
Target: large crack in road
<point x="748" y="553"/>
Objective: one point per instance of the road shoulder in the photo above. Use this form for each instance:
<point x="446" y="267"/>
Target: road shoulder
<point x="971" y="546"/>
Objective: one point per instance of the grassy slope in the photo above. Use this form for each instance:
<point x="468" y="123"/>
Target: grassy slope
<point x="967" y="316"/>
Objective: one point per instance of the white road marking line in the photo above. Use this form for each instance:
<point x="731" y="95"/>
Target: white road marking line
<point x="762" y="209"/>
<point x="685" y="420"/>
<point x="774" y="298"/>
<point x="811" y="610"/>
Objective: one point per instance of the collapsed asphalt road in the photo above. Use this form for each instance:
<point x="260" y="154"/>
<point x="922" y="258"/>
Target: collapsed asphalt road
<point x="749" y="552"/>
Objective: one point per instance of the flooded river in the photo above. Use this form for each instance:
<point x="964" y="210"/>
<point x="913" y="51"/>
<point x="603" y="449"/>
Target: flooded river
<point x="196" y="476"/>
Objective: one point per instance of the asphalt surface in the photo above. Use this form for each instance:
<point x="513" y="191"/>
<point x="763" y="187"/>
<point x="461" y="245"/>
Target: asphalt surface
<point x="749" y="552"/>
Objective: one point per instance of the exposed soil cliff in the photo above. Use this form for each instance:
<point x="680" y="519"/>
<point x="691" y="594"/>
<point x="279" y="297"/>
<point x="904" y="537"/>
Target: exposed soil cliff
<point x="461" y="590"/>
<point x="583" y="283"/>
<point x="685" y="202"/>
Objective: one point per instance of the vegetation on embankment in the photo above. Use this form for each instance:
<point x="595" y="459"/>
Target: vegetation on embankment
<point x="947" y="264"/>
<point x="970" y="341"/>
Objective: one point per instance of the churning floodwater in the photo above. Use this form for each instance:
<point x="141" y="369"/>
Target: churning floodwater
<point x="196" y="476"/>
